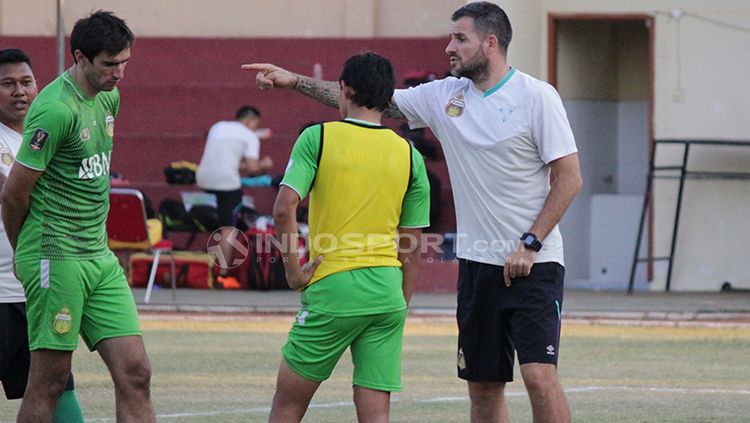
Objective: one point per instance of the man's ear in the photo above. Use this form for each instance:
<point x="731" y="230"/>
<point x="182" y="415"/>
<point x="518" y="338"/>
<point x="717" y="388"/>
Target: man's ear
<point x="346" y="90"/>
<point x="79" y="56"/>
<point x="491" y="42"/>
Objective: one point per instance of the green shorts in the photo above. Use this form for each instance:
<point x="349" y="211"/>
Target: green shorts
<point x="317" y="341"/>
<point x="68" y="297"/>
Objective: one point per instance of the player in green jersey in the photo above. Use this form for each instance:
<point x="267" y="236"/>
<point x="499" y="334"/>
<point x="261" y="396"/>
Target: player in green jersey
<point x="369" y="194"/>
<point x="55" y="205"/>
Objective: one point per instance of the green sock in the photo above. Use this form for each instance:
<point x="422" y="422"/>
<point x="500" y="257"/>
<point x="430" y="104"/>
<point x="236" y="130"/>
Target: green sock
<point x="68" y="410"/>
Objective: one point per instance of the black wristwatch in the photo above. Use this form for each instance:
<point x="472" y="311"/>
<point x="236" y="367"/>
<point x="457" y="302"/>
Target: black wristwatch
<point x="531" y="242"/>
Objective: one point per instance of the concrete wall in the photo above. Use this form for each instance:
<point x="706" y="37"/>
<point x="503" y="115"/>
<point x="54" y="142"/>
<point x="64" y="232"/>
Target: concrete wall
<point x="242" y="19"/>
<point x="618" y="69"/>
<point x="704" y="104"/>
<point x="710" y="68"/>
<point x="698" y="95"/>
<point x="612" y="144"/>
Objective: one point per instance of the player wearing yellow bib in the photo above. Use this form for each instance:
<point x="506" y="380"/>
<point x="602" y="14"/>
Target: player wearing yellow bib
<point x="55" y="205"/>
<point x="367" y="186"/>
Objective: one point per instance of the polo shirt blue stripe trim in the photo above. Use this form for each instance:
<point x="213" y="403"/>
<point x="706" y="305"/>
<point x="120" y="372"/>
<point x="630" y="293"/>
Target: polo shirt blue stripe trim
<point x="500" y="84"/>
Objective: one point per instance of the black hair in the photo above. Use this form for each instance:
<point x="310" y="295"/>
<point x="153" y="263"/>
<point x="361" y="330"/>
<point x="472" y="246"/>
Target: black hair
<point x="246" y="111"/>
<point x="13" y="55"/>
<point x="371" y="77"/>
<point x="98" y="32"/>
<point x="489" y="18"/>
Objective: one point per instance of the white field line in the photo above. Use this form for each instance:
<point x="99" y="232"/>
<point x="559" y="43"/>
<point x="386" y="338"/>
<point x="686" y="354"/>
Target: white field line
<point x="349" y="404"/>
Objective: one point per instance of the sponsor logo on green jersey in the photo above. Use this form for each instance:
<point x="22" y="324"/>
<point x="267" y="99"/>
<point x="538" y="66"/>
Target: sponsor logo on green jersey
<point x="95" y="166"/>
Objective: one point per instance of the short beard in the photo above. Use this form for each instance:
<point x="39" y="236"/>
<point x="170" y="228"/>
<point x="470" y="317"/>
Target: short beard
<point x="478" y="69"/>
<point x="95" y="84"/>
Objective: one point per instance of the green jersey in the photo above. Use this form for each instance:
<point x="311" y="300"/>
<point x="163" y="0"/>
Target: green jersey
<point x="68" y="136"/>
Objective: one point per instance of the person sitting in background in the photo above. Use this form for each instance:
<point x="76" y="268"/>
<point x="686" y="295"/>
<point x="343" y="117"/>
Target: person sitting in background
<point x="231" y="147"/>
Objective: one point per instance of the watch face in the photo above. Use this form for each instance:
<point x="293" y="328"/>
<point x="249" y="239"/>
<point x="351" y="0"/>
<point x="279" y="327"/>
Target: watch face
<point x="528" y="240"/>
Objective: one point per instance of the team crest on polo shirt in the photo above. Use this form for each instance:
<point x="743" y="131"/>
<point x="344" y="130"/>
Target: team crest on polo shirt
<point x="110" y="125"/>
<point x="455" y="106"/>
<point x="62" y="322"/>
<point x="6" y="156"/>
<point x="38" y="139"/>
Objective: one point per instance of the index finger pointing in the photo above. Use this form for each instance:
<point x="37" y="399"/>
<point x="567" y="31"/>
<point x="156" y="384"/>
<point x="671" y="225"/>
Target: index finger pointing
<point x="261" y="67"/>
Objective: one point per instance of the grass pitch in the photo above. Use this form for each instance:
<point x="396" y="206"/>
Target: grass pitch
<point x="209" y="369"/>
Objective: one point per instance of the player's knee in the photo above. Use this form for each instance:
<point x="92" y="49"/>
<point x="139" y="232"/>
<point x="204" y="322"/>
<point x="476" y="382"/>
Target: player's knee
<point x="55" y="387"/>
<point x="486" y="391"/>
<point x="49" y="381"/>
<point x="540" y="379"/>
<point x="141" y="376"/>
<point x="135" y="376"/>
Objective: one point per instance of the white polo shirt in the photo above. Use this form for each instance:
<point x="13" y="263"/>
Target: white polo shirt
<point x="11" y="290"/>
<point x="227" y="144"/>
<point x="498" y="145"/>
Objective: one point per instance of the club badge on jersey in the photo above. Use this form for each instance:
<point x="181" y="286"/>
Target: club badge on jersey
<point x="85" y="134"/>
<point x="6" y="156"/>
<point x="455" y="106"/>
<point x="110" y="125"/>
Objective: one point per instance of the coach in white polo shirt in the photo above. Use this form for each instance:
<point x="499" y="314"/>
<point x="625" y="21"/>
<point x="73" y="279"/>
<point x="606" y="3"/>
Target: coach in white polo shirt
<point x="514" y="171"/>
<point x="231" y="147"/>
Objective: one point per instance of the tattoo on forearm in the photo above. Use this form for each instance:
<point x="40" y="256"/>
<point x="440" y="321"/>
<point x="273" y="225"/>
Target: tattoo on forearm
<point x="326" y="92"/>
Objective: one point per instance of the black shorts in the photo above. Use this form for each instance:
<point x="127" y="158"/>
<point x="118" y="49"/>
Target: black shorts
<point x="227" y="203"/>
<point x="14" y="350"/>
<point x="495" y="320"/>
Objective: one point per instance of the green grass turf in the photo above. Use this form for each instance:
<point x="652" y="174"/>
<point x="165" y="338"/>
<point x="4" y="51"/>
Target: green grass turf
<point x="224" y="371"/>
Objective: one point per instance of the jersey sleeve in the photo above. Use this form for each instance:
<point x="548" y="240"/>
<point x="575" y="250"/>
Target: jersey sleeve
<point x="550" y="127"/>
<point x="252" y="146"/>
<point x="303" y="163"/>
<point x="47" y="126"/>
<point x="417" y="103"/>
<point x="415" y="212"/>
